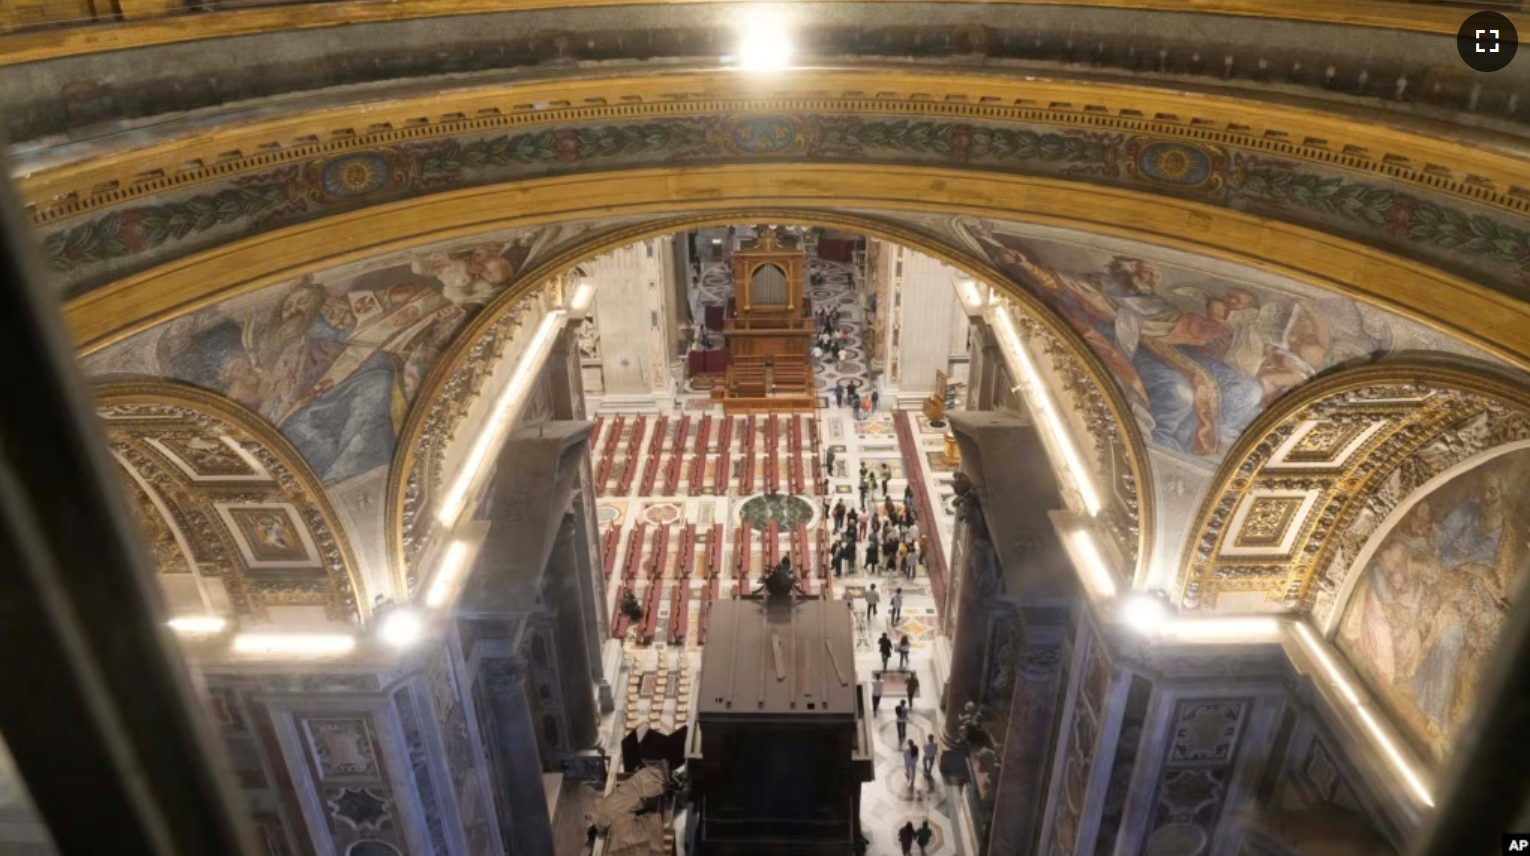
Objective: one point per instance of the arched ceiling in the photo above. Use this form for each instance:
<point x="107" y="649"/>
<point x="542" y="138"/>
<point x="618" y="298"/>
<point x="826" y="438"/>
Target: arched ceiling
<point x="1398" y="235"/>
<point x="236" y="523"/>
<point x="1315" y="481"/>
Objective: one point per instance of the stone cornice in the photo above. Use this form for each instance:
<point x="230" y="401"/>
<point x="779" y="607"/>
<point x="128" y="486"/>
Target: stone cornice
<point x="42" y="45"/>
<point x="1434" y="160"/>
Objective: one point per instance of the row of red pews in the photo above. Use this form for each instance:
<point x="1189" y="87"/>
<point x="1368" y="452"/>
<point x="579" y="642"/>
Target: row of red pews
<point x="680" y="597"/>
<point x="746" y="452"/>
<point x="772" y="432"/>
<point x="724" y="461"/>
<point x="655" y="449"/>
<point x="708" y="594"/>
<point x="634" y="453"/>
<point x="709" y="572"/>
<point x="772" y="472"/>
<point x="676" y="457"/>
<point x="655" y="585"/>
<point x="741" y="559"/>
<point x="634" y="552"/>
<point x="608" y="550"/>
<point x="608" y="455"/>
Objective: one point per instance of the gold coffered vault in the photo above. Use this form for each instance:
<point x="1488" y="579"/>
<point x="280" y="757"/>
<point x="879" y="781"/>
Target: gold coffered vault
<point x="1311" y="480"/>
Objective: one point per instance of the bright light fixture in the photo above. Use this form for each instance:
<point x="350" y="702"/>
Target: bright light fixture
<point x="294" y="643"/>
<point x="1037" y="389"/>
<point x="500" y="418"/>
<point x="1379" y="732"/>
<point x="583" y="294"/>
<point x="452" y="566"/>
<point x="1096" y="574"/>
<point x="402" y="627"/>
<point x="765" y="45"/>
<point x="1144" y="613"/>
<point x="198" y="624"/>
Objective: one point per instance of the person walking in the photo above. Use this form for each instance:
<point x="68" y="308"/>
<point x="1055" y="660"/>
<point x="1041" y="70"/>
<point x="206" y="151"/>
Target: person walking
<point x="839" y="514"/>
<point x="872" y="598"/>
<point x="839" y="559"/>
<point x="912" y="688"/>
<point x="855" y="406"/>
<point x="906" y="835"/>
<point x="871" y="560"/>
<point x="910" y="762"/>
<point x="913" y="532"/>
<point x="895" y="606"/>
<point x="876" y="692"/>
<point x="839" y="395"/>
<point x="852" y="518"/>
<point x="863" y="494"/>
<point x="931" y="749"/>
<point x="908" y="495"/>
<point x="903" y="648"/>
<point x="884" y="473"/>
<point x="860" y="532"/>
<point x="923" y="836"/>
<point x="884" y="645"/>
<point x="900" y="714"/>
<point x="828" y="466"/>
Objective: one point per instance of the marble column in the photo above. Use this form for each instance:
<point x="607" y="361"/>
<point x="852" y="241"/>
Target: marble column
<point x="1021" y="792"/>
<point x="565" y="375"/>
<point x="565" y="597"/>
<point x="517" y="763"/>
<point x="983" y="372"/>
<point x="975" y="575"/>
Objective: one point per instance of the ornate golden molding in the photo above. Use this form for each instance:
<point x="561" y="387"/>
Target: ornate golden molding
<point x="1489" y="319"/>
<point x="1305" y="486"/>
<point x="1476" y="172"/>
<point x="103" y="37"/>
<point x="450" y="384"/>
<point x="147" y="405"/>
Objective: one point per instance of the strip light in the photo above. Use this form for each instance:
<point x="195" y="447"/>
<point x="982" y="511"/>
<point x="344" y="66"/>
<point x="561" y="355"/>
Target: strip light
<point x="294" y="643"/>
<point x="1377" y="730"/>
<point x="1038" y="394"/>
<point x="198" y="624"/>
<point x="500" y="418"/>
<point x="1218" y="630"/>
<point x="1096" y="574"/>
<point x="452" y="566"/>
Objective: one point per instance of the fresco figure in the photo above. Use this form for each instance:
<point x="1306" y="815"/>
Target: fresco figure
<point x="1196" y="362"/>
<point x="335" y="366"/>
<point x="1427" y="612"/>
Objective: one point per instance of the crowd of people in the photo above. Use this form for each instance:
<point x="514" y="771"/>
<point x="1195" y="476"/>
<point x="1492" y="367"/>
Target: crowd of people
<point x="893" y="541"/>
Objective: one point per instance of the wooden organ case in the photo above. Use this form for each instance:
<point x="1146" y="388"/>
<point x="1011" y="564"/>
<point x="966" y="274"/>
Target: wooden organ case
<point x="769" y="327"/>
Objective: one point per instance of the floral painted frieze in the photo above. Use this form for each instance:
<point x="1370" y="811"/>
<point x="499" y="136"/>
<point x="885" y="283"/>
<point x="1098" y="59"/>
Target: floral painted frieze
<point x="1488" y="243"/>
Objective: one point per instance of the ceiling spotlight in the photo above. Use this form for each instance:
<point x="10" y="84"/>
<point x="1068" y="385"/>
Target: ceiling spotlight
<point x="402" y="627"/>
<point x="765" y="46"/>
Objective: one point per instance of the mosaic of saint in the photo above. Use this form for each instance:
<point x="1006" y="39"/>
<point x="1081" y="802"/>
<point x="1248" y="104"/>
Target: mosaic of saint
<point x="1200" y="351"/>
<point x="333" y="359"/>
<point x="1425" y="614"/>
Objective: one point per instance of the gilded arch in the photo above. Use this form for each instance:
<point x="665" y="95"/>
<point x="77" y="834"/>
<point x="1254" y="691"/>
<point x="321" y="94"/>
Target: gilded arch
<point x="1313" y="478"/>
<point x="254" y="523"/>
<point x="458" y="374"/>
